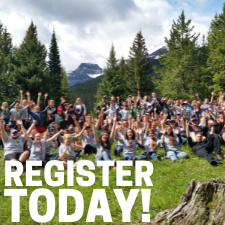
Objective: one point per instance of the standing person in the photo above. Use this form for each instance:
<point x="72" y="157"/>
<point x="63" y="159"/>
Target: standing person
<point x="13" y="145"/>
<point x="101" y="105"/>
<point x="16" y="113"/>
<point x="66" y="150"/>
<point x="202" y="148"/>
<point x="81" y="106"/>
<point x="110" y="112"/>
<point x="52" y="110"/>
<point x="129" y="100"/>
<point x="24" y="113"/>
<point x="38" y="116"/>
<point x="133" y="111"/>
<point x="124" y="112"/>
<point x="5" y="111"/>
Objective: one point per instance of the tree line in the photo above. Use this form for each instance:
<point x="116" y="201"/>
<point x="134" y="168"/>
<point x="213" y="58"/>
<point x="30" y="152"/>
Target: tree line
<point x="30" y="67"/>
<point x="185" y="69"/>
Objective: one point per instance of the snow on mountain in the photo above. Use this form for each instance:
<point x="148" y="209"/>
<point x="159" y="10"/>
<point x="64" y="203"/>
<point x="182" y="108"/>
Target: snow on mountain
<point x="88" y="71"/>
<point x="155" y="54"/>
<point x="84" y="72"/>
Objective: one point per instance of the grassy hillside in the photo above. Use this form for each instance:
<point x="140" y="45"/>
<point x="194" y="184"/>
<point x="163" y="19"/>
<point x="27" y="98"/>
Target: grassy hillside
<point x="170" y="180"/>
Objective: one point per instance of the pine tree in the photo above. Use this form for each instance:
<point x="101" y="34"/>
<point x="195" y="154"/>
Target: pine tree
<point x="216" y="46"/>
<point x="122" y="78"/>
<point x="64" y="91"/>
<point x="139" y="66"/>
<point x="179" y="73"/>
<point x="9" y="88"/>
<point x="54" y="65"/>
<point x="107" y="86"/>
<point x="31" y="68"/>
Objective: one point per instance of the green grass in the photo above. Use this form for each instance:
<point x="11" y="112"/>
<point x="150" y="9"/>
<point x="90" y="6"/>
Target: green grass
<point x="169" y="179"/>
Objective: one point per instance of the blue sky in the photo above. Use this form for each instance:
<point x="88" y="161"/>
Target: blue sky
<point x="86" y="29"/>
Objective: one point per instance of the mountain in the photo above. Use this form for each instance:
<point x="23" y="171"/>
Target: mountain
<point x="87" y="90"/>
<point x="154" y="55"/>
<point x="84" y="73"/>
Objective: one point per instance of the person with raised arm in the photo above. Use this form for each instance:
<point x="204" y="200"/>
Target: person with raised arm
<point x="5" y="111"/>
<point x="38" y="116"/>
<point x="52" y="110"/>
<point x="101" y="105"/>
<point x="200" y="147"/>
<point x="37" y="146"/>
<point x="16" y="113"/>
<point x="23" y="104"/>
<point x="129" y="142"/>
<point x="103" y="144"/>
<point x="13" y="145"/>
<point x="66" y="150"/>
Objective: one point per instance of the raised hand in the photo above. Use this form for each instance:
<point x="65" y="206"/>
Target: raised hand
<point x="114" y="117"/>
<point x="46" y="95"/>
<point x="27" y="93"/>
<point x="19" y="122"/>
<point x="74" y="117"/>
<point x="138" y="114"/>
<point x="21" y="91"/>
<point x="196" y="94"/>
<point x="176" y="131"/>
<point x="213" y="94"/>
<point x="34" y="121"/>
<point x="39" y="94"/>
<point x="1" y="118"/>
<point x="49" y="111"/>
<point x="62" y="99"/>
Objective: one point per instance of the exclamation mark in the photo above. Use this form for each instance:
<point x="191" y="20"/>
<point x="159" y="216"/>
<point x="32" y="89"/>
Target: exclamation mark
<point x="145" y="203"/>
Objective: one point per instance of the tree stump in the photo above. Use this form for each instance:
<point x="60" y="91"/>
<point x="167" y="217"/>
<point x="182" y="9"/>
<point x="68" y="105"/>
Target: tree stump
<point x="201" y="204"/>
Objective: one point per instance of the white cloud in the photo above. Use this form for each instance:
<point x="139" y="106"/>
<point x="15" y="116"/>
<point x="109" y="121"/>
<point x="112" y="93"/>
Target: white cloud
<point x="86" y="29"/>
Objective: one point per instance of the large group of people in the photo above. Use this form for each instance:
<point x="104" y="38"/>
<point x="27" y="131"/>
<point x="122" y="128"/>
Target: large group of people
<point x="147" y="123"/>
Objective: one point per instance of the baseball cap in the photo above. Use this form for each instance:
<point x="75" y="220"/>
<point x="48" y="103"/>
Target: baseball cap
<point x="13" y="131"/>
<point x="194" y="119"/>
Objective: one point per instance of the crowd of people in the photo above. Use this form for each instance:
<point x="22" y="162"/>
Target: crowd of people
<point x="147" y="123"/>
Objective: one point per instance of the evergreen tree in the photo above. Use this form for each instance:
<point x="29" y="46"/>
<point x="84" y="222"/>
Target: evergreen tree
<point x="206" y="78"/>
<point x="64" y="90"/>
<point x="54" y="65"/>
<point x="8" y="86"/>
<point x="139" y="66"/>
<point x="179" y="73"/>
<point x="110" y="77"/>
<point x="216" y="46"/>
<point x="121" y="79"/>
<point x="31" y="69"/>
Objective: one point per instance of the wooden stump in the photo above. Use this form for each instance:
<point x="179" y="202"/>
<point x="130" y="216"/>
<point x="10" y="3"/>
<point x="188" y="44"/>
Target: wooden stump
<point x="201" y="204"/>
